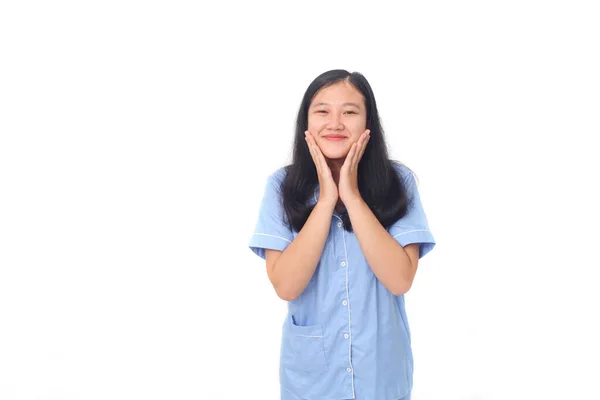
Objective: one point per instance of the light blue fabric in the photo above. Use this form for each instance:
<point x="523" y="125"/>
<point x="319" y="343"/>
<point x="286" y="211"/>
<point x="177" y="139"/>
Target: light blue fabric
<point x="346" y="336"/>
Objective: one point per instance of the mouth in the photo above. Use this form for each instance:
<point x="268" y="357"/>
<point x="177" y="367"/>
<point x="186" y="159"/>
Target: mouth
<point x="334" y="137"/>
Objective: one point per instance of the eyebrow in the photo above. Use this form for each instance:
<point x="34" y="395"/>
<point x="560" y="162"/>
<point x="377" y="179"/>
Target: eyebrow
<point x="345" y="104"/>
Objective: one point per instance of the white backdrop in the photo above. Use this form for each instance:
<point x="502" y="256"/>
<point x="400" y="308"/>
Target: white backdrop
<point x="136" y="138"/>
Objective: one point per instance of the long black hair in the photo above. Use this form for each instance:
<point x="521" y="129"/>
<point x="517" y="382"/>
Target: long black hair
<point x="378" y="182"/>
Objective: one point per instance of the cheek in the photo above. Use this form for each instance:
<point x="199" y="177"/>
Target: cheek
<point x="355" y="128"/>
<point x="359" y="126"/>
<point x="315" y="125"/>
<point x="356" y="135"/>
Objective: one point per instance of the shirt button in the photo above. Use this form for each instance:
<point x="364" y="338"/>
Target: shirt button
<point x="344" y="302"/>
<point x="343" y="263"/>
<point x="346" y="335"/>
<point x="349" y="369"/>
<point x="339" y="224"/>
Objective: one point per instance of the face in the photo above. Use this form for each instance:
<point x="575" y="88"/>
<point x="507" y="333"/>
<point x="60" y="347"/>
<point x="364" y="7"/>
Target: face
<point x="337" y="117"/>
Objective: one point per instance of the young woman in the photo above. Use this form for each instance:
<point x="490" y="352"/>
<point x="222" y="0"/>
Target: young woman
<point x="342" y="229"/>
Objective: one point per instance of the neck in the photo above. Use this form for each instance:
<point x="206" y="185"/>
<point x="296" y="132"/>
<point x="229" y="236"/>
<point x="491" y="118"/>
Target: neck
<point x="335" y="166"/>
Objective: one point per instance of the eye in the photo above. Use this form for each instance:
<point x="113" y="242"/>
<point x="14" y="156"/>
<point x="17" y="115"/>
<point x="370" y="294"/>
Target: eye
<point x="350" y="112"/>
<point x="321" y="111"/>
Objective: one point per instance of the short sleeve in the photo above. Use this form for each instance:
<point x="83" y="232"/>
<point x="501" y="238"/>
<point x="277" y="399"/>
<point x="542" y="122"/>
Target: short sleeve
<point x="413" y="227"/>
<point x="271" y="231"/>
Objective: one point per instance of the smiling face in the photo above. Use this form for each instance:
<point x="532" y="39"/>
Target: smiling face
<point x="337" y="116"/>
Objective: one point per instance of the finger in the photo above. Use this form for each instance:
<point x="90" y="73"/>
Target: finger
<point x="318" y="157"/>
<point x="316" y="150"/>
<point x="356" y="156"/>
<point x="356" y="153"/>
<point x="312" y="151"/>
<point x="319" y="154"/>
<point x="347" y="166"/>
<point x="363" y="148"/>
<point x="309" y="145"/>
<point x="363" y="144"/>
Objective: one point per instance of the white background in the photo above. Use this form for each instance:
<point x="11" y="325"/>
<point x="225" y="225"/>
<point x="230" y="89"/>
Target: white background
<point x="136" y="138"/>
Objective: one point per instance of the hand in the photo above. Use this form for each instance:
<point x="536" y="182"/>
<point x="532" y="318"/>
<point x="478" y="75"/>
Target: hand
<point x="328" y="191"/>
<point x="348" y="186"/>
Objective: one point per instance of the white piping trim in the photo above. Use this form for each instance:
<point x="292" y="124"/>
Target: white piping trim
<point x="415" y="230"/>
<point x="349" y="319"/>
<point x="278" y="237"/>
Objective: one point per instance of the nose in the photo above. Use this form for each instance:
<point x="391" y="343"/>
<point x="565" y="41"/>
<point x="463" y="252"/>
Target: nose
<point x="335" y="122"/>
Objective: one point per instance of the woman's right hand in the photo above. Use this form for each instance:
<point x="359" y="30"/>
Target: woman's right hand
<point x="328" y="191"/>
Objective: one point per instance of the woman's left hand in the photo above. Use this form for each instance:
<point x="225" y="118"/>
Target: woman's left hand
<point x="348" y="184"/>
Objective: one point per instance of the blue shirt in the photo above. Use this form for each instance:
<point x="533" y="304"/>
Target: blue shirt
<point x="346" y="336"/>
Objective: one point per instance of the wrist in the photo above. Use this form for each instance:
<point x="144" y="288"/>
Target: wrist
<point x="353" y="202"/>
<point x="326" y="204"/>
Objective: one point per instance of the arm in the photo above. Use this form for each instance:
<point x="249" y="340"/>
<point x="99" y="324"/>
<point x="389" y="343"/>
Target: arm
<point x="395" y="266"/>
<point x="392" y="264"/>
<point x="291" y="270"/>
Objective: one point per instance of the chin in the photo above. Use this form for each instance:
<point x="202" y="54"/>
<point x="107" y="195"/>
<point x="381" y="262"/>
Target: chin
<point x="336" y="155"/>
<point x="334" y="151"/>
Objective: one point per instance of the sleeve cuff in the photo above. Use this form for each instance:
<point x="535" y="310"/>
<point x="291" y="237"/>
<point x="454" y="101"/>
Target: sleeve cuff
<point x="422" y="236"/>
<point x="261" y="241"/>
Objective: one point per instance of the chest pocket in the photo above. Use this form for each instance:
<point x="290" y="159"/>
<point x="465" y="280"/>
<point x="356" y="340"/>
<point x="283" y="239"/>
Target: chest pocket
<point x="303" y="347"/>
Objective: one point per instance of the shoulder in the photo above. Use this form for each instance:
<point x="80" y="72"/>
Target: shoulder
<point x="277" y="177"/>
<point x="279" y="174"/>
<point x="405" y="173"/>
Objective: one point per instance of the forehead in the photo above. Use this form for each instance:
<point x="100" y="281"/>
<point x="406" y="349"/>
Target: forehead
<point x="338" y="94"/>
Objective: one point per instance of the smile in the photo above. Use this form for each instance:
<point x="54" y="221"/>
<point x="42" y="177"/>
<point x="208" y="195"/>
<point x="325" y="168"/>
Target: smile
<point x="334" y="137"/>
